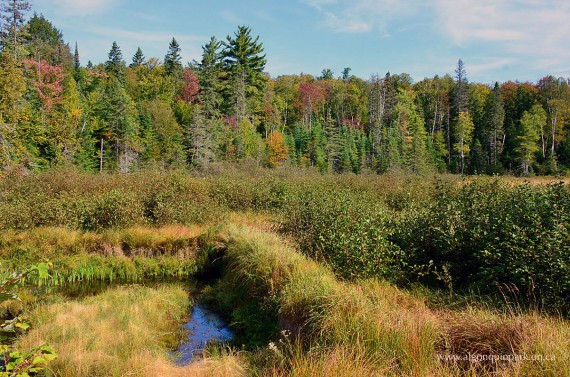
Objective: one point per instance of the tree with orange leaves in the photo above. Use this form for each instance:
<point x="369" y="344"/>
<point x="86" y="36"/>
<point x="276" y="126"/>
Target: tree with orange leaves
<point x="276" y="149"/>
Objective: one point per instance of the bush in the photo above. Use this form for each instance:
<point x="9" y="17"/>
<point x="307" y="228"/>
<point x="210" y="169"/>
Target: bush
<point x="348" y="231"/>
<point x="487" y="234"/>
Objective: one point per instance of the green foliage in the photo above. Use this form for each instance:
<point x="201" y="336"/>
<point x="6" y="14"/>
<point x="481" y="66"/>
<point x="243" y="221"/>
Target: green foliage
<point x="532" y="123"/>
<point x="16" y="363"/>
<point x="350" y="232"/>
<point x="487" y="235"/>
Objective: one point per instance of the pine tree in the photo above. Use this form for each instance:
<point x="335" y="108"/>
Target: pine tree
<point x="13" y="14"/>
<point x="173" y="60"/>
<point x="244" y="62"/>
<point x="138" y="58"/>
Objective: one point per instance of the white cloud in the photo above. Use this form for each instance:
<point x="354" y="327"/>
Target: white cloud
<point x="82" y="7"/>
<point x="534" y="32"/>
<point x="360" y="16"/>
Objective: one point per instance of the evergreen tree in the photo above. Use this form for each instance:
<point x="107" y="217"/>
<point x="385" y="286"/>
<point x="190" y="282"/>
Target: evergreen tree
<point x="43" y="41"/>
<point x="244" y="62"/>
<point x="118" y="125"/>
<point x="13" y="14"/>
<point x="173" y="60"/>
<point x="76" y="61"/>
<point x="411" y="129"/>
<point x="209" y="73"/>
<point x="138" y="58"/>
<point x="115" y="65"/>
<point x="461" y="83"/>
<point x="494" y="127"/>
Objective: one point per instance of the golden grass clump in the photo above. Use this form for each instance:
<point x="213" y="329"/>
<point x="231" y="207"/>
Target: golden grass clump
<point x="123" y="331"/>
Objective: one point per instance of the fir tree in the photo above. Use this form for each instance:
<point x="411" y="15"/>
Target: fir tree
<point x="76" y="61"/>
<point x="138" y="58"/>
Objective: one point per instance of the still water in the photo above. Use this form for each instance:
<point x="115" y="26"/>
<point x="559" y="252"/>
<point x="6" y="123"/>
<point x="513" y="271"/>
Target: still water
<point x="203" y="326"/>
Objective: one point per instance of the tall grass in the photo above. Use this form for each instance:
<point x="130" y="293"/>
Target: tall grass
<point x="126" y="331"/>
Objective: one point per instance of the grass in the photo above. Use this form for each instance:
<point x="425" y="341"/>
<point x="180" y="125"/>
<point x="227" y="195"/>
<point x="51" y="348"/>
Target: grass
<point x="125" y="331"/>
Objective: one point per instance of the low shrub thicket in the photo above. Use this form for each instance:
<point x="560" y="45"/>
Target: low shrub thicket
<point x="487" y="235"/>
<point x="484" y="234"/>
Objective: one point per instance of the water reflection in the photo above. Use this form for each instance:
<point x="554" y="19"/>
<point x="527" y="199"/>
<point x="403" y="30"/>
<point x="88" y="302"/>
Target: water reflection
<point x="204" y="326"/>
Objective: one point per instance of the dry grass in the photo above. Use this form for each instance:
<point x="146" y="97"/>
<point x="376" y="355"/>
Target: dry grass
<point x="173" y="240"/>
<point x="125" y="331"/>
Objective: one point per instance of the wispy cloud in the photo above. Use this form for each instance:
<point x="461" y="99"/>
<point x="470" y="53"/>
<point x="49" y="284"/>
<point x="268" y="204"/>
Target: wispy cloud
<point x="361" y="16"/>
<point x="83" y="7"/>
<point x="536" y="32"/>
<point x="129" y="40"/>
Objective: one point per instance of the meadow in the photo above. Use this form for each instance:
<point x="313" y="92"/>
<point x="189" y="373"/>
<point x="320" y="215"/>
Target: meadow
<point x="338" y="275"/>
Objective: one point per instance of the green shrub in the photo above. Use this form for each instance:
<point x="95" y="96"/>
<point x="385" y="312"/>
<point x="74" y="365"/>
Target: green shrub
<point x="348" y="231"/>
<point x="488" y="234"/>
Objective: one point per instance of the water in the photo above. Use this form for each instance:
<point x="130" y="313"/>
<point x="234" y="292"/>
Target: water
<point x="204" y="326"/>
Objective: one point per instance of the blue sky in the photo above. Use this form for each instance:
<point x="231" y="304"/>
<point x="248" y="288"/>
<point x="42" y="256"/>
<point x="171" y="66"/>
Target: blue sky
<point x="497" y="39"/>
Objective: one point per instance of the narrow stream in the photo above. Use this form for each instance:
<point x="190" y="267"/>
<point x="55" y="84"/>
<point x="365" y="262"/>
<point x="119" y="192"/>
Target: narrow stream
<point x="203" y="326"/>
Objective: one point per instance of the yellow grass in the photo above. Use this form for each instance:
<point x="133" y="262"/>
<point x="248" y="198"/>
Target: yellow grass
<point x="126" y="331"/>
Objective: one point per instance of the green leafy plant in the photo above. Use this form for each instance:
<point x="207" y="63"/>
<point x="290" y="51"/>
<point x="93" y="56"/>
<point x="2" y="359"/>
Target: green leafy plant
<point x="12" y="362"/>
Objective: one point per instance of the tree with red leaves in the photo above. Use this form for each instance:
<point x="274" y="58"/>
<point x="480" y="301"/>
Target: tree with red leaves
<point x="191" y="87"/>
<point x="312" y="97"/>
<point x="47" y="81"/>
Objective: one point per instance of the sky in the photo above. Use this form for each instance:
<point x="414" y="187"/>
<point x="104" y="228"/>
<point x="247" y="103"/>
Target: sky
<point x="498" y="40"/>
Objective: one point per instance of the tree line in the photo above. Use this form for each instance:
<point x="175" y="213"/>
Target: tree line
<point x="115" y="116"/>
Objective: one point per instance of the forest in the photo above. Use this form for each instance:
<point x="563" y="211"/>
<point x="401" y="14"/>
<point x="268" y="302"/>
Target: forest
<point x="123" y="116"/>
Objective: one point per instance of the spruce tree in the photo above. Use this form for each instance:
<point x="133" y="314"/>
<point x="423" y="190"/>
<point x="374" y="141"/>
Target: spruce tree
<point x="115" y="65"/>
<point x="209" y="74"/>
<point x="173" y="60"/>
